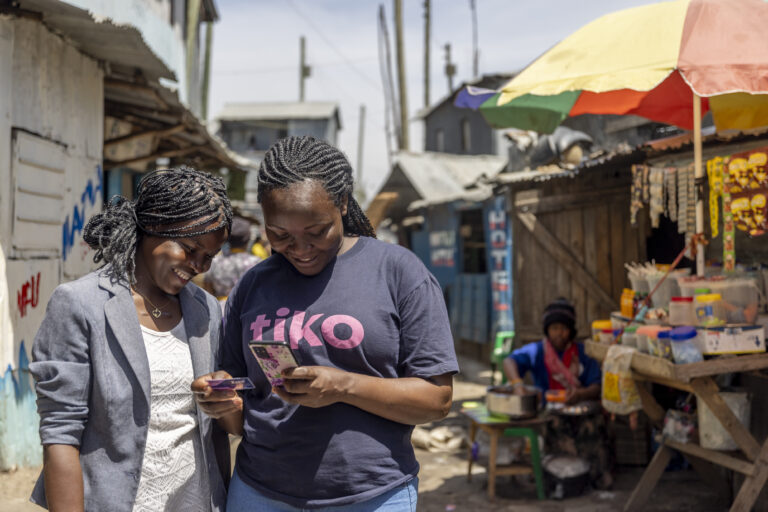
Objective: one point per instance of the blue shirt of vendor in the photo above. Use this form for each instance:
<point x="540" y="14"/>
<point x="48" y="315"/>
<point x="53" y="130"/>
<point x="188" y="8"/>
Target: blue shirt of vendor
<point x="530" y="358"/>
<point x="375" y="310"/>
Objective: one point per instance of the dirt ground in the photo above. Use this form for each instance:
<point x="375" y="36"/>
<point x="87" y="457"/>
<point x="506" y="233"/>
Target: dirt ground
<point x="443" y="484"/>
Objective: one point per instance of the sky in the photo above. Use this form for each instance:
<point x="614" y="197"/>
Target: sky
<point x="256" y="55"/>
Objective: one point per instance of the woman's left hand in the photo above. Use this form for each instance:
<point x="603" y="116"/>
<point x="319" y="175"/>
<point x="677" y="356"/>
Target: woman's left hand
<point x="314" y="386"/>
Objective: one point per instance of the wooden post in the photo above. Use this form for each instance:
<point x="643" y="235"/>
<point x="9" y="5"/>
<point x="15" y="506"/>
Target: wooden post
<point x="359" y="190"/>
<point x="401" y="81"/>
<point x="699" y="176"/>
<point x="206" y="71"/>
<point x="427" y="15"/>
<point x="304" y="70"/>
<point x="475" y="63"/>
<point x="450" y="68"/>
<point x="648" y="481"/>
<point x="193" y="20"/>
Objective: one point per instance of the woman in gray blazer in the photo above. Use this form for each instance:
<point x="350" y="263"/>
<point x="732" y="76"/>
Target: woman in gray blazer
<point x="116" y="353"/>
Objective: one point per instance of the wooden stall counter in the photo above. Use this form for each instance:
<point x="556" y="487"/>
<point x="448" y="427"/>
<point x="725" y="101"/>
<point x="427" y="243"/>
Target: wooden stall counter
<point x="697" y="378"/>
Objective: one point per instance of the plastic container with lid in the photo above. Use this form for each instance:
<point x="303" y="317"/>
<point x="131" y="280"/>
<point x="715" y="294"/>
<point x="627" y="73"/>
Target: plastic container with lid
<point x="629" y="338"/>
<point x="664" y="344"/>
<point x="643" y="335"/>
<point x="627" y="303"/>
<point x="606" y="336"/>
<point x="709" y="310"/>
<point x="667" y="289"/>
<point x="618" y="321"/>
<point x="681" y="311"/>
<point x="597" y="328"/>
<point x="684" y="349"/>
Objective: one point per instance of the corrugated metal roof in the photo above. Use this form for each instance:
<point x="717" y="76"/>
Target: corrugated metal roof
<point x="440" y="177"/>
<point x="278" y="110"/>
<point x="102" y="39"/>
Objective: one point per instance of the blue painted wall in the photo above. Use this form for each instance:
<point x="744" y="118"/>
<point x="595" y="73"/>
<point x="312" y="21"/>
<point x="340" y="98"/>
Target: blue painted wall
<point x="19" y="438"/>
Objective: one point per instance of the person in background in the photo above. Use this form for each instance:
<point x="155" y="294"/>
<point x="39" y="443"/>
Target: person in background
<point x="228" y="267"/>
<point x="117" y="349"/>
<point x="558" y="362"/>
<point x="260" y="247"/>
<point x="369" y="327"/>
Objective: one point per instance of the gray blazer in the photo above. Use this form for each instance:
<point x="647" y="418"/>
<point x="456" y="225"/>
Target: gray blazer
<point x="92" y="382"/>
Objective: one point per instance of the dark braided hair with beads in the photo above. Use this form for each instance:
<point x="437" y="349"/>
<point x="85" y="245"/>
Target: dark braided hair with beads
<point x="296" y="159"/>
<point x="170" y="203"/>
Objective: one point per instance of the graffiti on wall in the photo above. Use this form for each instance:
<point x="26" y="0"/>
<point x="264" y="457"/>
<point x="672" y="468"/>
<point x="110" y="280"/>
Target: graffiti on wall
<point x="442" y="247"/>
<point x="18" y="429"/>
<point x="28" y="296"/>
<point x="88" y="198"/>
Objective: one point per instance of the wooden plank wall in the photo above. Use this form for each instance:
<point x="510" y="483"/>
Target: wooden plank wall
<point x="596" y="229"/>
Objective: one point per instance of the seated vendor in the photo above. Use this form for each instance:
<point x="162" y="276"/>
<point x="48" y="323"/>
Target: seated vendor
<point x="559" y="362"/>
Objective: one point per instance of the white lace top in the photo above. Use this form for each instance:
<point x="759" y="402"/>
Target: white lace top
<point x="171" y="480"/>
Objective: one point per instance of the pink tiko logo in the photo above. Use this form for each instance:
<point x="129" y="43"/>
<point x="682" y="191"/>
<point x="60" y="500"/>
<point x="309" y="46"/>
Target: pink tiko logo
<point x="301" y="329"/>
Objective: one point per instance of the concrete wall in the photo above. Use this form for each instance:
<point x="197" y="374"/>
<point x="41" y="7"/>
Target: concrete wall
<point x="51" y="136"/>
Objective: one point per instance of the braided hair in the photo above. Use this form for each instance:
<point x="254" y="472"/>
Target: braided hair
<point x="296" y="159"/>
<point x="167" y="200"/>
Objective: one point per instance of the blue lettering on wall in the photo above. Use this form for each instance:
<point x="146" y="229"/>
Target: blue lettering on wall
<point x="87" y="198"/>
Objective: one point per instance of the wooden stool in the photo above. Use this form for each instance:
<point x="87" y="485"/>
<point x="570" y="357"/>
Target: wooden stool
<point x="496" y="427"/>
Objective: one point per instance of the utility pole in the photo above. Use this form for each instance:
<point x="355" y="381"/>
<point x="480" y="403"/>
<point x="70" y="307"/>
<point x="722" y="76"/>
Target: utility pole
<point x="359" y="190"/>
<point x="426" y="52"/>
<point x="450" y="67"/>
<point x="206" y="71"/>
<point x="304" y="70"/>
<point x="475" y="65"/>
<point x="401" y="74"/>
<point x="385" y="67"/>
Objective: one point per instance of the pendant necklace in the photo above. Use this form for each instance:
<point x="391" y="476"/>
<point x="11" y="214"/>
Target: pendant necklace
<point x="156" y="312"/>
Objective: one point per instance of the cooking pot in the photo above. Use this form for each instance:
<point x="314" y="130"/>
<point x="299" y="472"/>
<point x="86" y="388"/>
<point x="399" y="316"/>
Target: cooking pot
<point x="502" y="400"/>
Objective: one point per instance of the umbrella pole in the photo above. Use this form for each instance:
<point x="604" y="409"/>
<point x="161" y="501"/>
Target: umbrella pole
<point x="699" y="177"/>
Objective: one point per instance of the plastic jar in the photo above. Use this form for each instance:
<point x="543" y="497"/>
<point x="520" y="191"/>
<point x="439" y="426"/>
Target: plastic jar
<point x="597" y="328"/>
<point x="681" y="311"/>
<point x="653" y="338"/>
<point x="664" y="344"/>
<point x="709" y="310"/>
<point x="629" y="338"/>
<point x="641" y="337"/>
<point x="606" y="336"/>
<point x="684" y="350"/>
<point x="627" y="303"/>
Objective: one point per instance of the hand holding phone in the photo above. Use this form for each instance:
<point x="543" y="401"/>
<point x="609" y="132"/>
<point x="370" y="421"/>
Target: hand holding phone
<point x="273" y="357"/>
<point x="236" y="384"/>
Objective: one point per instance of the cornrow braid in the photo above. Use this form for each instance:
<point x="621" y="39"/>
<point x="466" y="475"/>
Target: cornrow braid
<point x="296" y="159"/>
<point x="167" y="201"/>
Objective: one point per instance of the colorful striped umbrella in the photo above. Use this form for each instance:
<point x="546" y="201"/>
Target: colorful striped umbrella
<point x="652" y="61"/>
<point x="669" y="62"/>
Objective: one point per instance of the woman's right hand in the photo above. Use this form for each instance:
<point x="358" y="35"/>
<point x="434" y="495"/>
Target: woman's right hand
<point x="216" y="403"/>
<point x="519" y="390"/>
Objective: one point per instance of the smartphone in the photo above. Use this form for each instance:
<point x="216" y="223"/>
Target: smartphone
<point x="237" y="384"/>
<point x="273" y="357"/>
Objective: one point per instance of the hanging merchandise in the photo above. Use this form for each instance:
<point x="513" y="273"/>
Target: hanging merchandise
<point x="656" y="187"/>
<point x="670" y="186"/>
<point x="715" y="174"/>
<point x="636" y="202"/>
<point x="646" y="185"/>
<point x="729" y="238"/>
<point x="747" y="179"/>
<point x="691" y="205"/>
<point x="682" y="200"/>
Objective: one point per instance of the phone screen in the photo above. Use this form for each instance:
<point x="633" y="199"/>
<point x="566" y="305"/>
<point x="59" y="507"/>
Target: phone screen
<point x="273" y="357"/>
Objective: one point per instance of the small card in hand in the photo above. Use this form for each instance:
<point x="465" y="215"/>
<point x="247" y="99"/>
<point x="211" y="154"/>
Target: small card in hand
<point x="236" y="383"/>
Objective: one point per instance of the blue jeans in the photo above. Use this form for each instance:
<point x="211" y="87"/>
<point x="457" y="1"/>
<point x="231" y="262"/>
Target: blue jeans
<point x="244" y="498"/>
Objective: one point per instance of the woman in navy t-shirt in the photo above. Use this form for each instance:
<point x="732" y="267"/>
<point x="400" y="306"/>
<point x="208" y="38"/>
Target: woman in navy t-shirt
<point x="370" y="330"/>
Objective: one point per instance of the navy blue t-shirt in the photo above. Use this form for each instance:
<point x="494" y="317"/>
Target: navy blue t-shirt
<point x="374" y="310"/>
<point x="530" y="357"/>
